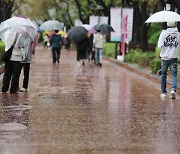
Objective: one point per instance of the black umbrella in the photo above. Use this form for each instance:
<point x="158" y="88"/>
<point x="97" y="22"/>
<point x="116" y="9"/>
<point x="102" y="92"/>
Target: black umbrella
<point x="77" y="33"/>
<point x="104" y="28"/>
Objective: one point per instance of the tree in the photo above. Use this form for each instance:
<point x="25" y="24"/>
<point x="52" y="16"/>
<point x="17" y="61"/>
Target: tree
<point x="68" y="11"/>
<point x="8" y="7"/>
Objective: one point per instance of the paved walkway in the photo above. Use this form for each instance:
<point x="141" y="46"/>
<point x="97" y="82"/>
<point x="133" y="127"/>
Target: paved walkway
<point x="87" y="109"/>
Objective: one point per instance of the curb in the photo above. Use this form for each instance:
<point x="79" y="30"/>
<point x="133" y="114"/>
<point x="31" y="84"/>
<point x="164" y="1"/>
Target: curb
<point x="133" y="69"/>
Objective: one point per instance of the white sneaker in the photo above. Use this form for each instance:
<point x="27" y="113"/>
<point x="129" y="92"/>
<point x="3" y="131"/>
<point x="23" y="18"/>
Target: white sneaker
<point x="78" y="64"/>
<point x="23" y="90"/>
<point x="163" y="95"/>
<point x="173" y="94"/>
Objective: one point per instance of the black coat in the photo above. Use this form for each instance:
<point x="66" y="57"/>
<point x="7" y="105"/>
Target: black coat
<point x="82" y="49"/>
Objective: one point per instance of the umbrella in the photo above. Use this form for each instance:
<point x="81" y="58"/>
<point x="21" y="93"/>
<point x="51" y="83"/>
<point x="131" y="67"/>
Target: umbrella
<point x="87" y="26"/>
<point x="77" y="33"/>
<point x="11" y="26"/>
<point x="51" y="25"/>
<point x="104" y="28"/>
<point x="163" y="16"/>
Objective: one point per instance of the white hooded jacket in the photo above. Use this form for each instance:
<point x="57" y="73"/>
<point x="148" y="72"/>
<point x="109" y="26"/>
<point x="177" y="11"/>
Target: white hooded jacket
<point x="169" y="40"/>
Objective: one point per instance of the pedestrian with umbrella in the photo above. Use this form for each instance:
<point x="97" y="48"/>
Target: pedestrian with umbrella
<point x="80" y="36"/>
<point x="12" y="31"/>
<point x="169" y="42"/>
<point x="56" y="42"/>
<point x="98" y="43"/>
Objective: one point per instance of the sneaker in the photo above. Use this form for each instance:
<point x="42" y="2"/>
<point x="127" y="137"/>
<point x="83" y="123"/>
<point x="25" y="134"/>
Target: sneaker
<point x="163" y="95"/>
<point x="23" y="90"/>
<point x="173" y="94"/>
<point x="78" y="64"/>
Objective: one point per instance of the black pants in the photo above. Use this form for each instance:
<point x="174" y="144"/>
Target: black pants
<point x="56" y="54"/>
<point x="11" y="74"/>
<point x="26" y="69"/>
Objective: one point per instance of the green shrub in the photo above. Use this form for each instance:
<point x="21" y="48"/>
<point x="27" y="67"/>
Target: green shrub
<point x="157" y="52"/>
<point x="154" y="32"/>
<point x="133" y="56"/>
<point x="143" y="59"/>
<point x="1" y="46"/>
<point x="155" y="65"/>
<point x="109" y="49"/>
<point x="146" y="58"/>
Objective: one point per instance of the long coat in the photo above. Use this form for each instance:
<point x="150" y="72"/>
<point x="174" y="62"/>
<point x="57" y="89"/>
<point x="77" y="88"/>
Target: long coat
<point x="82" y="49"/>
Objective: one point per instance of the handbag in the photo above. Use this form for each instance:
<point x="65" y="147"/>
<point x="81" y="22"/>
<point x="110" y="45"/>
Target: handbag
<point x="6" y="55"/>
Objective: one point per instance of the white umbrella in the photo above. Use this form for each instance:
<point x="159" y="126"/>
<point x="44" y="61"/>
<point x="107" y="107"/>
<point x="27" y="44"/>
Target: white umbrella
<point x="11" y="26"/>
<point x="164" y="16"/>
<point x="51" y="25"/>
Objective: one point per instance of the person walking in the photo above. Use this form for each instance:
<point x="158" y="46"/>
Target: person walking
<point x="27" y="51"/>
<point x="56" y="42"/>
<point x="82" y="50"/>
<point x="169" y="40"/>
<point x="12" y="68"/>
<point x="46" y="40"/>
<point x="91" y="49"/>
<point x="98" y="43"/>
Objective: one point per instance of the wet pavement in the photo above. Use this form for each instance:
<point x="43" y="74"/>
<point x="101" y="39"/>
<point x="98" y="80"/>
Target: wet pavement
<point x="87" y="109"/>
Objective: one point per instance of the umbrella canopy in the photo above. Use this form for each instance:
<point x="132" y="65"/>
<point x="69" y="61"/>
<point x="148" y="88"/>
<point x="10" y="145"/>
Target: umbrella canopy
<point x="51" y="25"/>
<point x="104" y="28"/>
<point x="87" y="26"/>
<point x="11" y="26"/>
<point x="77" y="33"/>
<point x="163" y="16"/>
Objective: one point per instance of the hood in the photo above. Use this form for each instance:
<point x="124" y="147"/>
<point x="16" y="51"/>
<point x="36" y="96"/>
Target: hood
<point x="172" y="30"/>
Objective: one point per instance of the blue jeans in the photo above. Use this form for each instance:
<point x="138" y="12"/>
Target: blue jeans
<point x="98" y="55"/>
<point x="173" y="68"/>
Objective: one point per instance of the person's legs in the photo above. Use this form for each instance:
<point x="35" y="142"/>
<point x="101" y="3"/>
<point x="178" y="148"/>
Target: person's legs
<point x="96" y="56"/>
<point x="54" y="55"/>
<point x="58" y="52"/>
<point x="100" y="56"/>
<point x="173" y="67"/>
<point x="164" y="67"/>
<point x="16" y="70"/>
<point x="7" y="76"/>
<point x="26" y="75"/>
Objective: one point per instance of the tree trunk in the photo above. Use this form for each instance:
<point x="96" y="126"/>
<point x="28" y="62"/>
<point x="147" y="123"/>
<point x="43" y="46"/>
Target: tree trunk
<point x="144" y="36"/>
<point x="69" y="17"/>
<point x="5" y="9"/>
<point x="136" y="23"/>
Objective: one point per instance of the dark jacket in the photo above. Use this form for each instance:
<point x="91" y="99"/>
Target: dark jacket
<point x="56" y="41"/>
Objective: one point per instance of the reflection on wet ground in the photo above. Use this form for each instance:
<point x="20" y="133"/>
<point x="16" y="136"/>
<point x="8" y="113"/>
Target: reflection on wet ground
<point x="87" y="109"/>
